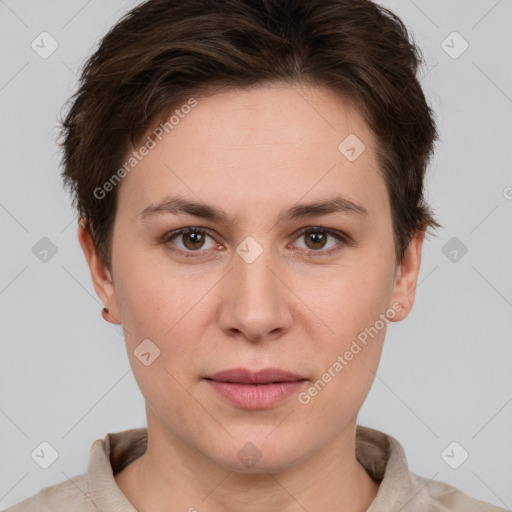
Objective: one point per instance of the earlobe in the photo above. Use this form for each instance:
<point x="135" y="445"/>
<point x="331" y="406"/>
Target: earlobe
<point x="406" y="278"/>
<point x="101" y="276"/>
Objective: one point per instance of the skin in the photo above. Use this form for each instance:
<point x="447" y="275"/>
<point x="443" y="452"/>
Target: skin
<point x="253" y="153"/>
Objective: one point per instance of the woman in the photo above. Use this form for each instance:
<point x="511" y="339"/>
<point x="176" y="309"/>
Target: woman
<point x="249" y="179"/>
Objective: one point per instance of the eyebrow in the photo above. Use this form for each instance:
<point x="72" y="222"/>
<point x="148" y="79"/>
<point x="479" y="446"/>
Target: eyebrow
<point x="178" y="205"/>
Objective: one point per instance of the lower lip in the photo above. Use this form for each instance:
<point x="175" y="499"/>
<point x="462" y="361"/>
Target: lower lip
<point x="256" y="396"/>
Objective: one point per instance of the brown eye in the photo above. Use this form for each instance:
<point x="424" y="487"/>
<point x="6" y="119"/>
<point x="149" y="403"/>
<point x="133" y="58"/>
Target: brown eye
<point x="316" y="240"/>
<point x="192" y="240"/>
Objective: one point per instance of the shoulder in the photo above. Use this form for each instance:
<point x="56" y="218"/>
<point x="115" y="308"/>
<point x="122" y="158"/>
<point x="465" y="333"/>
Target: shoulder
<point x="444" y="497"/>
<point x="72" y="494"/>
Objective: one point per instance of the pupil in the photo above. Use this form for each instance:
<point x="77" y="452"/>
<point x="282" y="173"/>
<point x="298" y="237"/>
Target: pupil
<point x="317" y="237"/>
<point x="195" y="238"/>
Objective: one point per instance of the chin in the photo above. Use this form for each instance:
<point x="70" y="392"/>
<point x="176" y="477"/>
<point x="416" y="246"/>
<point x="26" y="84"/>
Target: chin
<point x="258" y="453"/>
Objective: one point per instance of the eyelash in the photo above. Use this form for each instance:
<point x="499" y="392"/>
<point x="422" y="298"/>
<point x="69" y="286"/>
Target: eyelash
<point x="342" y="237"/>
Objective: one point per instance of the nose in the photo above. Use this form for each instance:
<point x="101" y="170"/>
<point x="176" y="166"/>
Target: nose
<point x="255" y="299"/>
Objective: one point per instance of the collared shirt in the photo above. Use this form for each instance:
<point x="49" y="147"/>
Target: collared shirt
<point x="381" y="455"/>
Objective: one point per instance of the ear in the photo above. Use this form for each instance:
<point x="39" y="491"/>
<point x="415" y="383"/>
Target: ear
<point x="404" y="290"/>
<point x="101" y="277"/>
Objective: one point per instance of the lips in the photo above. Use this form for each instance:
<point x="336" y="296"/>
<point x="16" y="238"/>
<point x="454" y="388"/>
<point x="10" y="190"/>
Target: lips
<point x="262" y="389"/>
<point x="245" y="376"/>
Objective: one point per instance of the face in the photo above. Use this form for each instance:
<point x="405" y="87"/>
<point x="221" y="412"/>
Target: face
<point x="268" y="286"/>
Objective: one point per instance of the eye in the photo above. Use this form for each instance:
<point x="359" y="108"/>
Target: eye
<point x="193" y="239"/>
<point x="316" y="240"/>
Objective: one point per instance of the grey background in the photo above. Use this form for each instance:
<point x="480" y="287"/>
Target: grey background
<point x="445" y="373"/>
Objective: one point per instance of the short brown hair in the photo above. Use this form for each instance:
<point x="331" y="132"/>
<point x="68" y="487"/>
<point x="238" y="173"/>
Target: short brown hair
<point x="163" y="51"/>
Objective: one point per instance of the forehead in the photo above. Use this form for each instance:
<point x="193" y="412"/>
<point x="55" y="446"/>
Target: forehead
<point x="261" y="147"/>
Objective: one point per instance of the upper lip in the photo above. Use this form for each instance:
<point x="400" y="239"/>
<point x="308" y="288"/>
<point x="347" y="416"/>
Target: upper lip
<point x="265" y="376"/>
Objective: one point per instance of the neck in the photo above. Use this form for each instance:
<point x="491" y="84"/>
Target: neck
<point x="172" y="476"/>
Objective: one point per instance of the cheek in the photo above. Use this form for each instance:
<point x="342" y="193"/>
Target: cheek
<point x="166" y="308"/>
<point x="346" y="372"/>
<point x="153" y="300"/>
<point x="354" y="311"/>
<point x="350" y="299"/>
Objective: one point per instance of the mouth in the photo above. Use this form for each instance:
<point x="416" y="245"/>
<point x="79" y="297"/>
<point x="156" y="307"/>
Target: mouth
<point x="265" y="376"/>
<point x="255" y="390"/>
